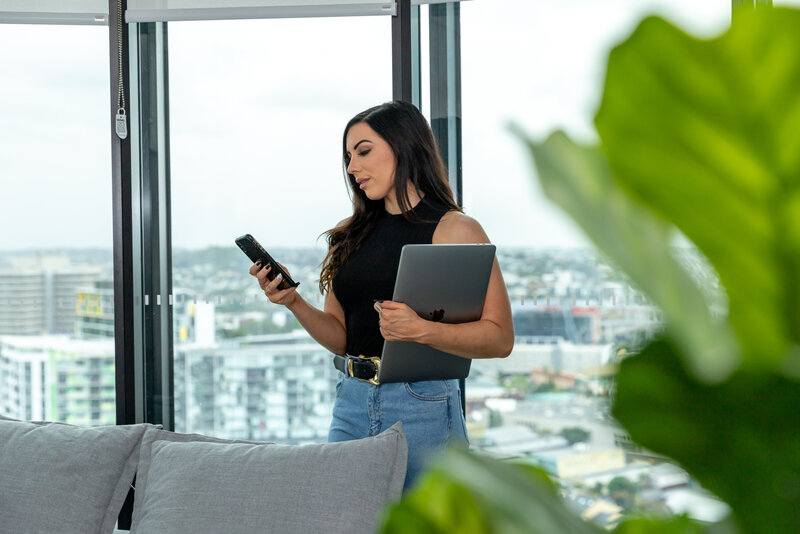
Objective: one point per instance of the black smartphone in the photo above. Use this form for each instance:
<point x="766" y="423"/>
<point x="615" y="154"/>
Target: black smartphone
<point x="255" y="252"/>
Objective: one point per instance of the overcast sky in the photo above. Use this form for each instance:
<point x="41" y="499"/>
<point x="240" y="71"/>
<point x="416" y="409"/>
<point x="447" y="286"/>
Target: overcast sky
<point x="258" y="108"/>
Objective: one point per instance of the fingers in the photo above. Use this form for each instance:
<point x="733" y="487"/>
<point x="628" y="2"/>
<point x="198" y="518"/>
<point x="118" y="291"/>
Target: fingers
<point x="258" y="268"/>
<point x="284" y="268"/>
<point x="271" y="287"/>
<point x="384" y="321"/>
<point x="263" y="281"/>
<point x="388" y="310"/>
<point x="378" y="309"/>
<point x="268" y="286"/>
<point x="387" y="336"/>
<point x="255" y="268"/>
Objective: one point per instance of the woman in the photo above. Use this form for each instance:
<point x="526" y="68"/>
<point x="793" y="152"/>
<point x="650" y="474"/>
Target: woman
<point x="400" y="195"/>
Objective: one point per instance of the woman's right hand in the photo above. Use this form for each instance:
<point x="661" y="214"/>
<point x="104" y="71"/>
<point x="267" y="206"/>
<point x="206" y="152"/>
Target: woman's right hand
<point x="286" y="297"/>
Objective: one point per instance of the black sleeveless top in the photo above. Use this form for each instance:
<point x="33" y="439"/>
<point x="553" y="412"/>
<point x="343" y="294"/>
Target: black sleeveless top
<point x="370" y="272"/>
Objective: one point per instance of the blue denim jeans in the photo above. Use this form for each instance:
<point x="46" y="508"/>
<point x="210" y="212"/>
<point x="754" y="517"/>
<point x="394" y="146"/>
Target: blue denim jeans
<point x="430" y="412"/>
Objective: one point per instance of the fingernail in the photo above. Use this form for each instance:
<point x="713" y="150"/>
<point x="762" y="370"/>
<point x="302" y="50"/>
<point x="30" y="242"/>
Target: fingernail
<point x="279" y="276"/>
<point x="258" y="262"/>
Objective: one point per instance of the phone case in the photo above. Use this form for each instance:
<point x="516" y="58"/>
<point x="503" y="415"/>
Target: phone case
<point x="255" y="252"/>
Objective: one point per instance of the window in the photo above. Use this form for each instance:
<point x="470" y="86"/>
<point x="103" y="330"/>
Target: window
<point x="55" y="211"/>
<point x="542" y="65"/>
<point x="256" y="119"/>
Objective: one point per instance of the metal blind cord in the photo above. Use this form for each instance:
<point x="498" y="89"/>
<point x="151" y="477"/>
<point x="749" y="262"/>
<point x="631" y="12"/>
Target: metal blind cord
<point x="122" y="119"/>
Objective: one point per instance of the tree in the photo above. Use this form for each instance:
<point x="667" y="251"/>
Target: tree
<point x="623" y="491"/>
<point x="622" y="485"/>
<point x="520" y="382"/>
<point x="545" y="387"/>
<point x="575" y="435"/>
<point x="495" y="419"/>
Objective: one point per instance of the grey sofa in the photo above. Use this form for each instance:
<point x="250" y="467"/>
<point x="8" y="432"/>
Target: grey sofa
<point x="61" y="478"/>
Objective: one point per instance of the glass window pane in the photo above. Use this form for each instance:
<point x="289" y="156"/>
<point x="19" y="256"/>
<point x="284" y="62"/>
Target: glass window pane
<point x="541" y="65"/>
<point x="56" y="277"/>
<point x="256" y="121"/>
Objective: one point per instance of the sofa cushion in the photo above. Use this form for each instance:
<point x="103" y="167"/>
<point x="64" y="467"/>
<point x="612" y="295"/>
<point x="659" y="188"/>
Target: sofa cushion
<point x="155" y="435"/>
<point x="186" y="485"/>
<point x="56" y="477"/>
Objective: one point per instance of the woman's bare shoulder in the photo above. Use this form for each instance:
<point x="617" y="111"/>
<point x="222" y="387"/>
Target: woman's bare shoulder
<point x="456" y="227"/>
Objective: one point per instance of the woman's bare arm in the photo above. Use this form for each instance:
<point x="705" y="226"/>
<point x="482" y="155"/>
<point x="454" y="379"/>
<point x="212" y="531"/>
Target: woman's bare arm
<point x="325" y="326"/>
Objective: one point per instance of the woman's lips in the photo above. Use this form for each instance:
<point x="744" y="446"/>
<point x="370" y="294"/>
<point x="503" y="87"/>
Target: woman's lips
<point x="363" y="183"/>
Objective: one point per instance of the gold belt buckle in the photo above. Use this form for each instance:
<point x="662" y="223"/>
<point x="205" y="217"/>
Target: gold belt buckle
<point x="376" y="361"/>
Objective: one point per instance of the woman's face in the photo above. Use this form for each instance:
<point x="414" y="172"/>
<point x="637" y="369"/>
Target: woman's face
<point x="372" y="161"/>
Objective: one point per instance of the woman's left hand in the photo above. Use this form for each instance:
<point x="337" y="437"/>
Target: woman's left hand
<point x="398" y="322"/>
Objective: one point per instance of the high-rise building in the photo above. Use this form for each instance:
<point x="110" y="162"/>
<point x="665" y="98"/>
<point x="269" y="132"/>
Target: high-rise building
<point x="38" y="295"/>
<point x="23" y="368"/>
<point x="194" y="321"/>
<point x="56" y="378"/>
<point x="572" y="324"/>
<point x="21" y="302"/>
<point x="586" y="324"/>
<point x="62" y="286"/>
<point x="94" y="311"/>
<point x="275" y="387"/>
<point x="555" y="354"/>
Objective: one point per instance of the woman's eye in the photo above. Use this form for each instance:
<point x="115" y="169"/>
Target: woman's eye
<point x="364" y="153"/>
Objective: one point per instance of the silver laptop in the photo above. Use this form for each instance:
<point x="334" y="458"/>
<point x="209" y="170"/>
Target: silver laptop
<point x="444" y="283"/>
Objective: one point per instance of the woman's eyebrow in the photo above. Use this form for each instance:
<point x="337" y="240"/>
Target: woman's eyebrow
<point x="363" y="140"/>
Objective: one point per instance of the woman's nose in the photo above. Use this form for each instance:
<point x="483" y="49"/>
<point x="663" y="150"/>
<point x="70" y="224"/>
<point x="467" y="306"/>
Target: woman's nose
<point x="351" y="166"/>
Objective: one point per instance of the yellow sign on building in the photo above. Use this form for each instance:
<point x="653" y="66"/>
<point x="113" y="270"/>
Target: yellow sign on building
<point x="89" y="304"/>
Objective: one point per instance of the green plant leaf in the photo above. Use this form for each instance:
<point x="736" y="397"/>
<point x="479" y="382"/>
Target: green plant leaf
<point x="437" y="506"/>
<point x="679" y="525"/>
<point x="468" y="493"/>
<point x="579" y="180"/>
<point x="706" y="134"/>
<point x="739" y="439"/>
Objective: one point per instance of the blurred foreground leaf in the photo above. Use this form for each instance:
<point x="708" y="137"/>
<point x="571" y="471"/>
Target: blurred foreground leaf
<point x="468" y="493"/>
<point x="679" y="525"/>
<point x="739" y="439"/>
<point x="707" y="134"/>
<point x="579" y="180"/>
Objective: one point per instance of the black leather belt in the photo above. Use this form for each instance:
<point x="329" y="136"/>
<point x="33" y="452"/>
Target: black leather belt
<point x="365" y="368"/>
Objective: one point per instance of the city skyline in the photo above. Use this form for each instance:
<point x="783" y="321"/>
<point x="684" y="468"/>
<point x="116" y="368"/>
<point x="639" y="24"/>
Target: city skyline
<point x="244" y="370"/>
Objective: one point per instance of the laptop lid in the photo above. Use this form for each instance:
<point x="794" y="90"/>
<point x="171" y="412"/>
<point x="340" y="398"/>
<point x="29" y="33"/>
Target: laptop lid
<point x="444" y="283"/>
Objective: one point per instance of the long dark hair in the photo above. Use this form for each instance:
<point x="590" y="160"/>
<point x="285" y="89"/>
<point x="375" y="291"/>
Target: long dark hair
<point x="408" y="134"/>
